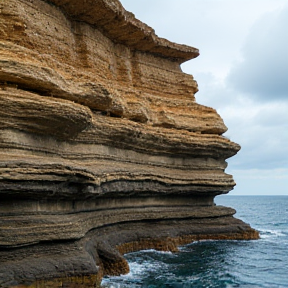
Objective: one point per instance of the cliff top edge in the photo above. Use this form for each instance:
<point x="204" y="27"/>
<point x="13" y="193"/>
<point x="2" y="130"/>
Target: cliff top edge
<point x="122" y="27"/>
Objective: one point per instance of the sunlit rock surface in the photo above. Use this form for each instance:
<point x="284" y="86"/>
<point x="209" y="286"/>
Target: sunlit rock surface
<point x="103" y="148"/>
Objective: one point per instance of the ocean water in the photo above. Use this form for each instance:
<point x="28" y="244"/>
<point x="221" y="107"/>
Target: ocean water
<point x="221" y="264"/>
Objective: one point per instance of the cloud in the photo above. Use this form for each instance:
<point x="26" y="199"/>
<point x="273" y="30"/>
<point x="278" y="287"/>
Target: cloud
<point x="259" y="182"/>
<point x="263" y="73"/>
<point x="261" y="131"/>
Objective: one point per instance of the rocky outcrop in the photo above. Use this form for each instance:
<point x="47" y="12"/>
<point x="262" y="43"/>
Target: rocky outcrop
<point x="103" y="148"/>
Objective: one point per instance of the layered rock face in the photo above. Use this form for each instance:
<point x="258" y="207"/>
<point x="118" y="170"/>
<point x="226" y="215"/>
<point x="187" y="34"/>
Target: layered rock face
<point x="103" y="148"/>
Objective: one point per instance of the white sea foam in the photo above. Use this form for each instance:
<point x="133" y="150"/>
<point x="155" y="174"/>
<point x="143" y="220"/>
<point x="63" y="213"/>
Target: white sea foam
<point x="151" y="250"/>
<point x="137" y="269"/>
<point x="162" y="252"/>
<point x="268" y="233"/>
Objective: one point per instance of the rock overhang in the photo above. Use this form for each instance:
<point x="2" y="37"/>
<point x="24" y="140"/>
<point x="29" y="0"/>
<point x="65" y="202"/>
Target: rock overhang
<point x="122" y="27"/>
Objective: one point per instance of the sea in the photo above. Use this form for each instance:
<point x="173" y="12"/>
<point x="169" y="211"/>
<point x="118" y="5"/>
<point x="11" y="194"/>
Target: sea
<point x="220" y="264"/>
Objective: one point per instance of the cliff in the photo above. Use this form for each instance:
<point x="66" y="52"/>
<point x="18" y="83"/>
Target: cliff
<point x="103" y="148"/>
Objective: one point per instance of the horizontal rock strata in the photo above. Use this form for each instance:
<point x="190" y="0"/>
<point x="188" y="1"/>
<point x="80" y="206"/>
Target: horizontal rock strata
<point x="103" y="149"/>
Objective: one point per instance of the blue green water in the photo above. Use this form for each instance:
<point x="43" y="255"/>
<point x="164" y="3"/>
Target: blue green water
<point x="248" y="264"/>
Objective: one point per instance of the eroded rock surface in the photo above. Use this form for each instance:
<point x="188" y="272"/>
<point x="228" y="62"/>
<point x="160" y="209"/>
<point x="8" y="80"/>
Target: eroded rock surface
<point x="103" y="148"/>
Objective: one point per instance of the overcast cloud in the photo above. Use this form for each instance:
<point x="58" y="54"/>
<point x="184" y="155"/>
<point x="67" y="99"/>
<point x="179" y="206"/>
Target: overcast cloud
<point x="242" y="71"/>
<point x="263" y="73"/>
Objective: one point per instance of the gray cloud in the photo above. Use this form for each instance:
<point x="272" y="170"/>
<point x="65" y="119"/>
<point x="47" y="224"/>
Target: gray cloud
<point x="260" y="182"/>
<point x="263" y="74"/>
<point x="214" y="93"/>
<point x="262" y="132"/>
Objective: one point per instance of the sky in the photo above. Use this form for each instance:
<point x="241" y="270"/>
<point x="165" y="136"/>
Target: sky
<point x="242" y="72"/>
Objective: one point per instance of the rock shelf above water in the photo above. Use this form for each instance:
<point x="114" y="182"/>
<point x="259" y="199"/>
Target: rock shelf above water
<point x="103" y="148"/>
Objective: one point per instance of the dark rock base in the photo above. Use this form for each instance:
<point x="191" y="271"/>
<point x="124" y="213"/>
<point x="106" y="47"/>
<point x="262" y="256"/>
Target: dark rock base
<point x="83" y="263"/>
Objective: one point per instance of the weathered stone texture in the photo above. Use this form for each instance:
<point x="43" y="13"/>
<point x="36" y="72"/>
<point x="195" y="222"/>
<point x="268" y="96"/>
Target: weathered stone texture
<point x="102" y="144"/>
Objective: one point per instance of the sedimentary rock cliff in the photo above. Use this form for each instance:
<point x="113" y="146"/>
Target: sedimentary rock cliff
<point x="103" y="148"/>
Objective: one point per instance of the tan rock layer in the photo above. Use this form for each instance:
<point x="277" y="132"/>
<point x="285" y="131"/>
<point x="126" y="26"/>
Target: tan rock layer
<point x="24" y="230"/>
<point x="44" y="51"/>
<point x="123" y="27"/>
